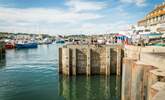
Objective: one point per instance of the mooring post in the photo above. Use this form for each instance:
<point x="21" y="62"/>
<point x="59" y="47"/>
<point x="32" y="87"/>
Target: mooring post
<point x="74" y="72"/>
<point x="88" y="68"/>
<point x="108" y="62"/>
<point x="118" y="61"/>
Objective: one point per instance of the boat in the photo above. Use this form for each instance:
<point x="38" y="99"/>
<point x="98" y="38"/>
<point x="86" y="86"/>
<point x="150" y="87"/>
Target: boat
<point x="60" y="41"/>
<point x="47" y="41"/>
<point x="26" y="44"/>
<point x="9" y="45"/>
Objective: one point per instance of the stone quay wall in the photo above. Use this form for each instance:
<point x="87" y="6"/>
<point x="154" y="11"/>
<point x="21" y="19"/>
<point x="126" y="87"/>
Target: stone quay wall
<point x="143" y="76"/>
<point x="90" y="59"/>
<point x="142" y="68"/>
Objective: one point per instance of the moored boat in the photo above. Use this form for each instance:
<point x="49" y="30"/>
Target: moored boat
<point x="26" y="45"/>
<point x="9" y="45"/>
<point x="47" y="41"/>
<point x="60" y="41"/>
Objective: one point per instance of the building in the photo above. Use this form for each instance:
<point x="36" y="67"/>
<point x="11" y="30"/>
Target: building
<point x="155" y="20"/>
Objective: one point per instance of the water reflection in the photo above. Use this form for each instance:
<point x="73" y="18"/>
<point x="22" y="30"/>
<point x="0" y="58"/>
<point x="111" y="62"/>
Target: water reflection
<point x="89" y="88"/>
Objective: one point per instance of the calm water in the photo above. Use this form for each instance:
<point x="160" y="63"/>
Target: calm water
<point x="33" y="75"/>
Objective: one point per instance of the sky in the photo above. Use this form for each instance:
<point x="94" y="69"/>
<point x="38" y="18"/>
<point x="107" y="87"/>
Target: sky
<point x="72" y="16"/>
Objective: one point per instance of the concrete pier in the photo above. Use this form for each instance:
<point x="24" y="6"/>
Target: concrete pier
<point x="90" y="59"/>
<point x="155" y="76"/>
<point x="142" y="68"/>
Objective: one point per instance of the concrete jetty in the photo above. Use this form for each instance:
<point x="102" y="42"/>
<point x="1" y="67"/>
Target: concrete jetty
<point x="142" y="68"/>
<point x="2" y="50"/>
<point x="90" y="59"/>
<point x="143" y="74"/>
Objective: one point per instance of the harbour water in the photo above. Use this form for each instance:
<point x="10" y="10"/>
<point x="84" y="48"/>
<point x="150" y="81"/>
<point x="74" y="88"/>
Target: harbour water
<point x="32" y="74"/>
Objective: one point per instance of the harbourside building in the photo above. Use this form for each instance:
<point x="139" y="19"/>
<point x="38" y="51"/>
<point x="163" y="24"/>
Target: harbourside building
<point x="154" y="20"/>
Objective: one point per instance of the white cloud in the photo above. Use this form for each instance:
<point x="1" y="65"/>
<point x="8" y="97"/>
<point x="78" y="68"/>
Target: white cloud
<point x="137" y="2"/>
<point x="23" y="18"/>
<point x="80" y="5"/>
<point x="49" y="18"/>
<point x="80" y="17"/>
<point x="43" y="15"/>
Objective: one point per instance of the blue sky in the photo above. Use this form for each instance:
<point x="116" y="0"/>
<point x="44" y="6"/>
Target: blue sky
<point x="72" y="16"/>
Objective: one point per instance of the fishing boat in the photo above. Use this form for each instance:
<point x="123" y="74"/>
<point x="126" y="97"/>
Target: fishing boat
<point x="60" y="41"/>
<point x="26" y="44"/>
<point x="47" y="41"/>
<point x="9" y="45"/>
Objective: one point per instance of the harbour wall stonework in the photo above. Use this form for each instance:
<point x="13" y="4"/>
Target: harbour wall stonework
<point x="143" y="76"/>
<point x="141" y="68"/>
<point x="90" y="59"/>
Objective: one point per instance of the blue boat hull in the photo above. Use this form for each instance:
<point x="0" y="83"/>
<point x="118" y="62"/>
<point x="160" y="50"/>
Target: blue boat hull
<point x="28" y="45"/>
<point x="60" y="42"/>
